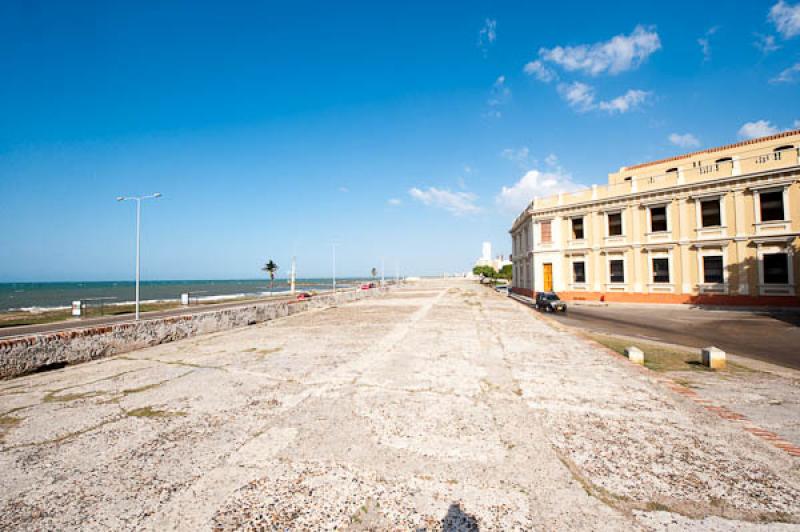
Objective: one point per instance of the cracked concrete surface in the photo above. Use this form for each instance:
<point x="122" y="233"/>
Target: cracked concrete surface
<point x="439" y="406"/>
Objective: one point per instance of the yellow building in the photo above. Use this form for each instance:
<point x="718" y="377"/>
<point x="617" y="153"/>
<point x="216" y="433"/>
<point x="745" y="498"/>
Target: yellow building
<point x="715" y="226"/>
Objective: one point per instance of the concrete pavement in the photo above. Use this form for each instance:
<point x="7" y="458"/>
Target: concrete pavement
<point x="442" y="406"/>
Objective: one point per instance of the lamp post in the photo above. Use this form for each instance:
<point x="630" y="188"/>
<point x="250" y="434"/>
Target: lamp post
<point x="138" y="200"/>
<point x="334" y="268"/>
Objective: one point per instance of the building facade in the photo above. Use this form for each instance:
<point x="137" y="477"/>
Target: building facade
<point x="718" y="226"/>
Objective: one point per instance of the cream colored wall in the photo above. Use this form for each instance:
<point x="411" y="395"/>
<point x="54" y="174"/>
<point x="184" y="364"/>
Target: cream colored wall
<point x="688" y="164"/>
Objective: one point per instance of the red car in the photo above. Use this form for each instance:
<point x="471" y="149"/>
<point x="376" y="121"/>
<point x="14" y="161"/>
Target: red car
<point x="303" y="295"/>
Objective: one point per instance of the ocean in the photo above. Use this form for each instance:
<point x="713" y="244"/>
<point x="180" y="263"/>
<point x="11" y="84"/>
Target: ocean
<point x="35" y="297"/>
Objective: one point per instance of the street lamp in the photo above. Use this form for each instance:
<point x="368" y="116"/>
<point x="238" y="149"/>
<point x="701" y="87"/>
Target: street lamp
<point x="138" y="200"/>
<point x="334" y="267"/>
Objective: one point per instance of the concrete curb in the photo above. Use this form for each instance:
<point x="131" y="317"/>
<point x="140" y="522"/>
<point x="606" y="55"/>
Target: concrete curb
<point x="712" y="407"/>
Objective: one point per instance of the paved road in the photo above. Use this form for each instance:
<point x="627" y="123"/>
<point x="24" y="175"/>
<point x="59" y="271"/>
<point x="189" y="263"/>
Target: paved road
<point x="442" y="406"/>
<point x="770" y="337"/>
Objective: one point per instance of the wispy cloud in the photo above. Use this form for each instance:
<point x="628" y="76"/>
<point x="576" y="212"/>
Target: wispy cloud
<point x="394" y="201"/>
<point x="788" y="75"/>
<point x="628" y="101"/>
<point x="581" y="97"/>
<point x="457" y="203"/>
<point x="705" y="43"/>
<point x="542" y="72"/>
<point x="786" y="18"/>
<point x="535" y="183"/>
<point x="517" y="155"/>
<point x="618" y="54"/>
<point x="686" y="140"/>
<point x="759" y="128"/>
<point x="499" y="96"/>
<point x="344" y="189"/>
<point x="765" y="43"/>
<point x="487" y="35"/>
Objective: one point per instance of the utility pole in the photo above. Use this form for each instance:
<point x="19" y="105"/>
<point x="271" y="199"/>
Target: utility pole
<point x="138" y="200"/>
<point x="383" y="268"/>
<point x="334" y="268"/>
<point x="294" y="270"/>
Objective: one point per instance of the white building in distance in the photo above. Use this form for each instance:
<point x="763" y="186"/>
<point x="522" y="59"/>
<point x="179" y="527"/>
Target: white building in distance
<point x="486" y="258"/>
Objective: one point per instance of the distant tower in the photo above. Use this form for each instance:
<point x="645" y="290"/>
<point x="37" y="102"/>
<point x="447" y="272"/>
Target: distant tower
<point x="487" y="252"/>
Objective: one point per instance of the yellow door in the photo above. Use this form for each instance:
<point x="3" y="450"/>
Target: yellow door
<point x="548" y="277"/>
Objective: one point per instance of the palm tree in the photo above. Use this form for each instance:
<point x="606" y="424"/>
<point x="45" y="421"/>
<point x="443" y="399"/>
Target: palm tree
<point x="270" y="267"/>
<point x="374" y="273"/>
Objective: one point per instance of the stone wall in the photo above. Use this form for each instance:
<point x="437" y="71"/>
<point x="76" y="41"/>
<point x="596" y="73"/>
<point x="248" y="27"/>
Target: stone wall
<point x="19" y="356"/>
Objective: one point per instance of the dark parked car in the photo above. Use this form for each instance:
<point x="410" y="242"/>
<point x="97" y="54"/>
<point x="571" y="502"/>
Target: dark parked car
<point x="503" y="289"/>
<point x="549" y="302"/>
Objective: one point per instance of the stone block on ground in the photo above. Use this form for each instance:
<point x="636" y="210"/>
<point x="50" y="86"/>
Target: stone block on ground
<point x="713" y="357"/>
<point x="635" y="355"/>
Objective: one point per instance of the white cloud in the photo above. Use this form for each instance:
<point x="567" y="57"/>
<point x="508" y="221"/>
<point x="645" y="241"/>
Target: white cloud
<point x="534" y="183"/>
<point x="622" y="104"/>
<point x="705" y="43"/>
<point x="581" y="97"/>
<point x="542" y="73"/>
<point x="620" y="53"/>
<point x="687" y="140"/>
<point x="344" y="189"/>
<point x="786" y="18"/>
<point x="394" y="201"/>
<point x="519" y="155"/>
<point x="551" y="160"/>
<point x="457" y="203"/>
<point x="499" y="95"/>
<point x="765" y="43"/>
<point x="487" y="35"/>
<point x="759" y="128"/>
<point x="796" y="124"/>
<point x="788" y="75"/>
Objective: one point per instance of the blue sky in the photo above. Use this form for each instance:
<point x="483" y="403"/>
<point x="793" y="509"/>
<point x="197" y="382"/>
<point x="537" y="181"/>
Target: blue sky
<point x="408" y="131"/>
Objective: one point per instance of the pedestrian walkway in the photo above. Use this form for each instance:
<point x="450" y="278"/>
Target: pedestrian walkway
<point x="443" y="405"/>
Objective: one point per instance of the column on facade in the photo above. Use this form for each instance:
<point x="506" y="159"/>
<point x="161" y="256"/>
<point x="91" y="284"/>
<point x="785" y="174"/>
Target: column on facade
<point x="636" y="249"/>
<point x="598" y="219"/>
<point x="684" y="219"/>
<point x="740" y="242"/>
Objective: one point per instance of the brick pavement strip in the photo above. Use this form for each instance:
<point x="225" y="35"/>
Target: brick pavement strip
<point x="439" y="406"/>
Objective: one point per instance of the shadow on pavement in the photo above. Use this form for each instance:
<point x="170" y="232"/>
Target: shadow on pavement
<point x="457" y="520"/>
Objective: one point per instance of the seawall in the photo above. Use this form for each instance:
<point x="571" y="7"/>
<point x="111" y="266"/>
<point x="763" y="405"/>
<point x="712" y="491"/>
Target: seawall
<point x="28" y="354"/>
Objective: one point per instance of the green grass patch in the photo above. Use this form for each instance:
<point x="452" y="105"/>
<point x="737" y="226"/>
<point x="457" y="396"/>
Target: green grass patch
<point x="664" y="358"/>
<point x="54" y="397"/>
<point x="656" y="357"/>
<point x="150" y="412"/>
<point x="144" y="388"/>
<point x="7" y="422"/>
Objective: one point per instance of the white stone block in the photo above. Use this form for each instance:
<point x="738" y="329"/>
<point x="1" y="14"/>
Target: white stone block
<point x="713" y="357"/>
<point x="635" y="355"/>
